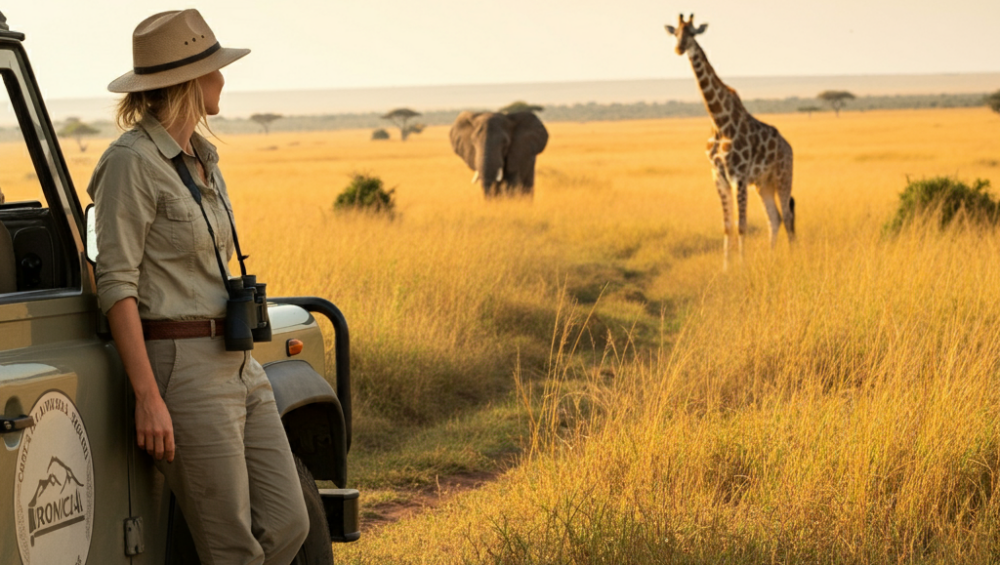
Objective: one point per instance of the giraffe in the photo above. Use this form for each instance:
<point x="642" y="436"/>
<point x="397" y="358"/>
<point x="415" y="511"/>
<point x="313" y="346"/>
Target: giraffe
<point x="742" y="149"/>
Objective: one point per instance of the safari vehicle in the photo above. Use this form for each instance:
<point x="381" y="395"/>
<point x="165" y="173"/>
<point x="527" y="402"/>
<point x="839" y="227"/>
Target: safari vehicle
<point x="74" y="487"/>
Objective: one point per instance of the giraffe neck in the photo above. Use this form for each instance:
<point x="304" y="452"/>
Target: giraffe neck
<point x="722" y="102"/>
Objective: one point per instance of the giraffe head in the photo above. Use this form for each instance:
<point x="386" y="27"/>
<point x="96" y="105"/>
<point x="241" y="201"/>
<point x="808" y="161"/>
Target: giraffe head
<point x="685" y="32"/>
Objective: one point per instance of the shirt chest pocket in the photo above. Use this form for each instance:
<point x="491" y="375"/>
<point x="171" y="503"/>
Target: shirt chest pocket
<point x="188" y="231"/>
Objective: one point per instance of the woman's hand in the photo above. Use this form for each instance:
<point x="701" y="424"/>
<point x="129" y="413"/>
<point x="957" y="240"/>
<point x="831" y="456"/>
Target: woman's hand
<point x="154" y="430"/>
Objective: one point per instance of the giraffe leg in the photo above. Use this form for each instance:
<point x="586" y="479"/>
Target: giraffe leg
<point x="766" y="190"/>
<point x="741" y="201"/>
<point x="788" y="211"/>
<point x="785" y="194"/>
<point x="726" y="196"/>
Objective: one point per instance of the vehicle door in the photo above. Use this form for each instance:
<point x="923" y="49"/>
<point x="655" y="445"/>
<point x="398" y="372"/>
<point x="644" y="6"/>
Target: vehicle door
<point x="63" y="469"/>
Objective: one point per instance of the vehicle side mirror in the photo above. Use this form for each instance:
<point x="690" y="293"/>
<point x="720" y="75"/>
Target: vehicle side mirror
<point x="90" y="247"/>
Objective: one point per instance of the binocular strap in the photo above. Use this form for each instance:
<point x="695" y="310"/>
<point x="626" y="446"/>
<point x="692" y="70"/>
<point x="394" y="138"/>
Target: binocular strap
<point x="185" y="175"/>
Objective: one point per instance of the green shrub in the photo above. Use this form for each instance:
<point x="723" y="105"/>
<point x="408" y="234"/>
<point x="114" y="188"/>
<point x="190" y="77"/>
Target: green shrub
<point x="365" y="193"/>
<point x="945" y="197"/>
<point x="993" y="101"/>
<point x="380" y="134"/>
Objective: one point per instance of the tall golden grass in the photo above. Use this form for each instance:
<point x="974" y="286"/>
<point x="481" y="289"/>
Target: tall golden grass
<point x="836" y="402"/>
<point x="833" y="402"/>
<point x="839" y="404"/>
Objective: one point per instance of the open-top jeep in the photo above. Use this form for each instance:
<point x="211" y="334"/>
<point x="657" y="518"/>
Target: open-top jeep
<point x="74" y="487"/>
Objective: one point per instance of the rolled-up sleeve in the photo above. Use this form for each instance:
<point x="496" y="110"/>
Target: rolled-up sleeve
<point x="125" y="207"/>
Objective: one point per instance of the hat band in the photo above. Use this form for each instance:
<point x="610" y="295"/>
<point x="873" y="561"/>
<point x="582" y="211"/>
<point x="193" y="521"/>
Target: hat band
<point x="177" y="64"/>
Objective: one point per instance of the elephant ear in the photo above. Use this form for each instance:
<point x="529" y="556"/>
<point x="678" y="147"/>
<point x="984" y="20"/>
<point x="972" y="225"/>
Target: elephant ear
<point x="461" y="138"/>
<point x="528" y="138"/>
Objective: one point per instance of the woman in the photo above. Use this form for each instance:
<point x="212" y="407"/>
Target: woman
<point x="207" y="416"/>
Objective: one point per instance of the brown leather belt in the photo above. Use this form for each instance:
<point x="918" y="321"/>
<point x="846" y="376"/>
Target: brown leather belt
<point x="164" y="329"/>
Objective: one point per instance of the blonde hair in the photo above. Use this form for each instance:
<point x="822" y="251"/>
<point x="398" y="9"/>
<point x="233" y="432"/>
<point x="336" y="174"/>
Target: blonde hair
<point x="170" y="105"/>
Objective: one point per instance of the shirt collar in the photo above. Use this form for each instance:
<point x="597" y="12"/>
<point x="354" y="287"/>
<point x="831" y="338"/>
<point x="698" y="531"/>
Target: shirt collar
<point x="204" y="148"/>
<point x="169" y="147"/>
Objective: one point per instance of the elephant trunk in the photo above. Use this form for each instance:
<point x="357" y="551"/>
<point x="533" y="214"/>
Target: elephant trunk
<point x="490" y="173"/>
<point x="490" y="160"/>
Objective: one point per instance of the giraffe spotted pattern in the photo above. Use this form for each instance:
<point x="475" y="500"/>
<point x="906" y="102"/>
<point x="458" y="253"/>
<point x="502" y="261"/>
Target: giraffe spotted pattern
<point x="743" y="150"/>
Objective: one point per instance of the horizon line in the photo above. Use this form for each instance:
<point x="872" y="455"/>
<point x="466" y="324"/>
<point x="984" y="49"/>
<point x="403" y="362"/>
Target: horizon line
<point x="579" y="81"/>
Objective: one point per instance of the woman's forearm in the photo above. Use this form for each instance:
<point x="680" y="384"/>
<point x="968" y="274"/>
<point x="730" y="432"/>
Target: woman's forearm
<point x="154" y="430"/>
<point x="126" y="330"/>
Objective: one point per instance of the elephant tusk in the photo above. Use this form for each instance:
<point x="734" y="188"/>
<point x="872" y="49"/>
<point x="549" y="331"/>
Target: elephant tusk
<point x="475" y="177"/>
<point x="500" y="175"/>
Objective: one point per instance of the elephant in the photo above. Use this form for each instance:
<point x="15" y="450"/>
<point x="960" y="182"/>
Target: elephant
<point x="501" y="149"/>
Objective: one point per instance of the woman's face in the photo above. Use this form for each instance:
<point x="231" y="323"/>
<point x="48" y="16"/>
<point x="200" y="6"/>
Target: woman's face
<point x="211" y="88"/>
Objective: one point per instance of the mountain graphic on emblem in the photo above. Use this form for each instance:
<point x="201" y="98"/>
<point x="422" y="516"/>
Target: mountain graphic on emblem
<point x="51" y="511"/>
<point x="52" y="479"/>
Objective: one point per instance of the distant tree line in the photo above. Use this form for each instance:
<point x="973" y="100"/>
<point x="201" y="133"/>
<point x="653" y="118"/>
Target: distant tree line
<point x="567" y="113"/>
<point x="609" y="112"/>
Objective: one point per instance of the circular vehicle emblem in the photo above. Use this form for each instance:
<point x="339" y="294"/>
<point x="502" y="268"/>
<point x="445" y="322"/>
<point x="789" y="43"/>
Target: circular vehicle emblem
<point x="54" y="485"/>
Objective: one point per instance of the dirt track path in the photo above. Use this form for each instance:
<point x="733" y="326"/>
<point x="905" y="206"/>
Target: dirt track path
<point x="414" y="502"/>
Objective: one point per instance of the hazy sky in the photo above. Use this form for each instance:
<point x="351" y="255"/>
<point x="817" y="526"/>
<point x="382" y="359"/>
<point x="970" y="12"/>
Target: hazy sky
<point x="78" y="46"/>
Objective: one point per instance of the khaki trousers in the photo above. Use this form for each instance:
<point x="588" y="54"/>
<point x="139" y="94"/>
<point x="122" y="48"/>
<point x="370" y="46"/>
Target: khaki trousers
<point x="232" y="472"/>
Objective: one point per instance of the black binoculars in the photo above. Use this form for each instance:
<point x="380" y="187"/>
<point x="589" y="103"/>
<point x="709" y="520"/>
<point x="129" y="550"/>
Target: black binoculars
<point x="246" y="313"/>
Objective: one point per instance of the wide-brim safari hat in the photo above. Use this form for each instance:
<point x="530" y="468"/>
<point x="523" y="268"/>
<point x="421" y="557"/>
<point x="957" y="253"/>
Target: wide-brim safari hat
<point x="170" y="48"/>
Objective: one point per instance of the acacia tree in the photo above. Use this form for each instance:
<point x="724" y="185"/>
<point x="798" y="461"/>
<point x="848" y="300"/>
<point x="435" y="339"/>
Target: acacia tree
<point x="836" y="99"/>
<point x="521" y="106"/>
<point x="993" y="101"/>
<point x="809" y="110"/>
<point x="265" y="120"/>
<point x="77" y="130"/>
<point x="400" y="117"/>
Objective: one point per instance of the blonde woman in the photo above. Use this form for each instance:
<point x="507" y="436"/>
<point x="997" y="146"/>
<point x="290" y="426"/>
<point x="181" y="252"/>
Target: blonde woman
<point x="205" y="415"/>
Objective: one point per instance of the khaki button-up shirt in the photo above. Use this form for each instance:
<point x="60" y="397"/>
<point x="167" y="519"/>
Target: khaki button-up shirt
<point x="152" y="240"/>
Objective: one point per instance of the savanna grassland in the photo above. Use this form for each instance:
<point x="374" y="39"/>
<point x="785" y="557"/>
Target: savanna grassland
<point x="833" y="402"/>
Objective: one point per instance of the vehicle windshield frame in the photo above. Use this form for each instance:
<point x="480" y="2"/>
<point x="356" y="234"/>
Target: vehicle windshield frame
<point x="49" y="165"/>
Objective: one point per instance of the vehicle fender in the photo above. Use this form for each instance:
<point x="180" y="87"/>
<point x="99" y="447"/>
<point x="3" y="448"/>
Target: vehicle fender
<point x="312" y="417"/>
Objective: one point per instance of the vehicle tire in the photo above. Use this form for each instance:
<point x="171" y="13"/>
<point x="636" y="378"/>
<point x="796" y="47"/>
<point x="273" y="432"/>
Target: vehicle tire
<point x="317" y="549"/>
